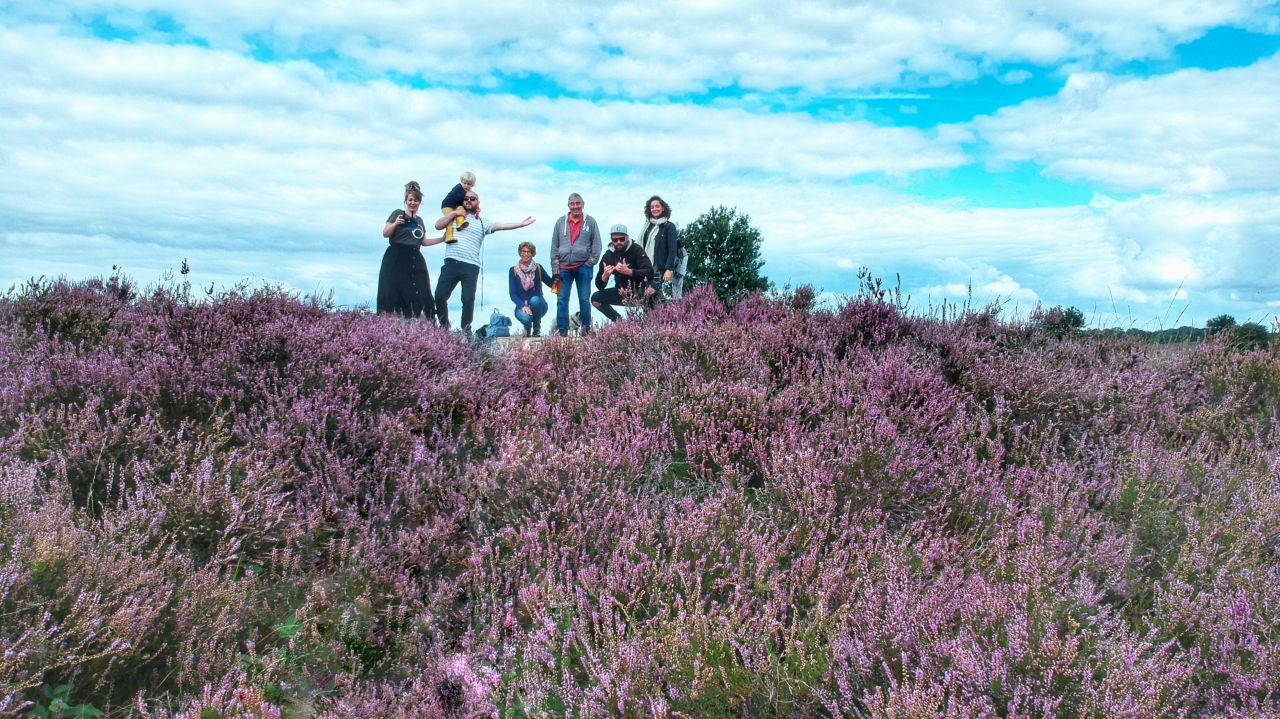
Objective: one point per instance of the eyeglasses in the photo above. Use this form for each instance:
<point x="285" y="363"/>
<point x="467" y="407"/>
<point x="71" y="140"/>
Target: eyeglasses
<point x="470" y="199"/>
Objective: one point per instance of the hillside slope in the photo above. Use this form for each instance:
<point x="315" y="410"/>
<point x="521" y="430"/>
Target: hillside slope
<point x="255" y="504"/>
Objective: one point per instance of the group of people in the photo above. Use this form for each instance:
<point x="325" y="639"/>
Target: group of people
<point x="639" y="267"/>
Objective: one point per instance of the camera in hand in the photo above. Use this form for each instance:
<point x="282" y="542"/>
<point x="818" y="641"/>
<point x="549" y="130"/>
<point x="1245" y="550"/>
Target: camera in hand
<point x="411" y="223"/>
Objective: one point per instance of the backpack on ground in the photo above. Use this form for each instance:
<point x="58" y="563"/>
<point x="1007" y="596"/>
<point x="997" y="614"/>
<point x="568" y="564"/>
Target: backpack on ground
<point x="499" y="325"/>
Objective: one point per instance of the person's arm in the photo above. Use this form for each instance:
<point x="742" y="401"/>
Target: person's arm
<point x="429" y="241"/>
<point x="513" y="287"/>
<point x="500" y="226"/>
<point x="545" y="276"/>
<point x="555" y="246"/>
<point x="669" y="253"/>
<point x="446" y="218"/>
<point x="641" y="267"/>
<point x="602" y="278"/>
<point x="396" y="219"/>
<point x="596" y="245"/>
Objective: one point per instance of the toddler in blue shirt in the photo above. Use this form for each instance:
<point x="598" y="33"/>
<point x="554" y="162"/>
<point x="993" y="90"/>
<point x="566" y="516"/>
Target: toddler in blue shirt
<point x="453" y="201"/>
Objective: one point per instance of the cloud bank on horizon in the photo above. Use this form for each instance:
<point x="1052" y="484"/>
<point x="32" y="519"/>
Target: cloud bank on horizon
<point x="1121" y="158"/>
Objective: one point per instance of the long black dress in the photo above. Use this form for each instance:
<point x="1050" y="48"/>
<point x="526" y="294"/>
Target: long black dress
<point x="404" y="285"/>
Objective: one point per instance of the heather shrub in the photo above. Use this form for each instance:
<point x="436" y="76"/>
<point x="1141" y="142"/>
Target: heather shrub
<point x="76" y="313"/>
<point x="255" y="505"/>
<point x="1242" y="390"/>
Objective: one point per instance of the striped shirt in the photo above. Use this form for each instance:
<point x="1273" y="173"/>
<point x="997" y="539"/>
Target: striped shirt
<point x="469" y="239"/>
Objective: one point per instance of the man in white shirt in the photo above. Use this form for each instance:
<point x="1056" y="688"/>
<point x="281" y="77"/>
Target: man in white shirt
<point x="462" y="258"/>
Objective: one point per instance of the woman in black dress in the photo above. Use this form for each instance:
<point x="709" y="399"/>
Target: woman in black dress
<point x="404" y="286"/>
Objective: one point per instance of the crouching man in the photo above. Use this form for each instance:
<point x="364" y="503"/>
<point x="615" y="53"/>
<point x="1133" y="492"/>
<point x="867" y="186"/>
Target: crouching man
<point x="631" y="270"/>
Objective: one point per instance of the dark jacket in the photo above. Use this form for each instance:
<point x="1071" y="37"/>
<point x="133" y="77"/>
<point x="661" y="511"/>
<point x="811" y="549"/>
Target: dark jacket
<point x="636" y="259"/>
<point x="453" y="200"/>
<point x="664" y="248"/>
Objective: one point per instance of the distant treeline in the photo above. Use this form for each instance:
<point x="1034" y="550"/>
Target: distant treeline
<point x="1166" y="336"/>
<point x="1070" y="320"/>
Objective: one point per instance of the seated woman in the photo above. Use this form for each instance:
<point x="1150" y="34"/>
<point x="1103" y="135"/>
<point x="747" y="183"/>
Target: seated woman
<point x="526" y="280"/>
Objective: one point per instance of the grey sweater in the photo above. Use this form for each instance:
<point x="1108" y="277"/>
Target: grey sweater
<point x="586" y="251"/>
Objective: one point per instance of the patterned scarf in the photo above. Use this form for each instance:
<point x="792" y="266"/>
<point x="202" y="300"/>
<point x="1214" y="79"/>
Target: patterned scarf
<point x="528" y="275"/>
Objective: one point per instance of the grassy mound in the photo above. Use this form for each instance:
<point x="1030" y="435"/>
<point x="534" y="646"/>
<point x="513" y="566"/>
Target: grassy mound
<point x="253" y="505"/>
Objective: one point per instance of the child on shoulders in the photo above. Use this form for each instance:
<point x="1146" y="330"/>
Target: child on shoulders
<point x="453" y="201"/>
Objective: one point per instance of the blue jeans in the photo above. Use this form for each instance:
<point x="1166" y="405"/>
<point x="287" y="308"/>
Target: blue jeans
<point x="532" y="321"/>
<point x="582" y="277"/>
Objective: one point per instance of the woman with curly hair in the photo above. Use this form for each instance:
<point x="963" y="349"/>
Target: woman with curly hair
<point x="404" y="285"/>
<point x="661" y="244"/>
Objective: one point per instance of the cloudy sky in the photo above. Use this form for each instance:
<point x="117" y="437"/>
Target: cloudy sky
<point x="1121" y="157"/>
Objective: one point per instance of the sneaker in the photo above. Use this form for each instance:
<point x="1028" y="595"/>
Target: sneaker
<point x="537" y="330"/>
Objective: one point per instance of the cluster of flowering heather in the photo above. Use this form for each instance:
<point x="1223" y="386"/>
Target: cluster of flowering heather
<point x="256" y="506"/>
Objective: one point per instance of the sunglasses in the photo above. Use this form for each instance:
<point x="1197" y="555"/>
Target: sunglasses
<point x="470" y="199"/>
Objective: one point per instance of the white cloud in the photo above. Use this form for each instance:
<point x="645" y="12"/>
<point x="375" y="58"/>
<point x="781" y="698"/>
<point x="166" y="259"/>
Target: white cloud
<point x="1212" y="243"/>
<point x="1122" y="262"/>
<point x="1015" y="77"/>
<point x="986" y="285"/>
<point x="195" y="97"/>
<point x="1148" y="27"/>
<point x="667" y="46"/>
<point x="1191" y="131"/>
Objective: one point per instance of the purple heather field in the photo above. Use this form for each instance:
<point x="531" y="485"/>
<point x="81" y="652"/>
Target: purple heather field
<point x="257" y="505"/>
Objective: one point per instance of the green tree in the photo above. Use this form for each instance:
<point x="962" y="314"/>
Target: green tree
<point x="724" y="249"/>
<point x="1061" y="321"/>
<point x="1250" y="335"/>
<point x="1220" y="323"/>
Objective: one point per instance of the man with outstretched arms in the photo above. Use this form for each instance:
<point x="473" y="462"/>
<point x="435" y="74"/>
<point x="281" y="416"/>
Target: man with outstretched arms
<point x="462" y="258"/>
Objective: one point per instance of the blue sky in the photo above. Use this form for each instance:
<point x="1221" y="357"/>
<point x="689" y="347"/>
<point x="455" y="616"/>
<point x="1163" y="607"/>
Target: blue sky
<point x="1121" y="158"/>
